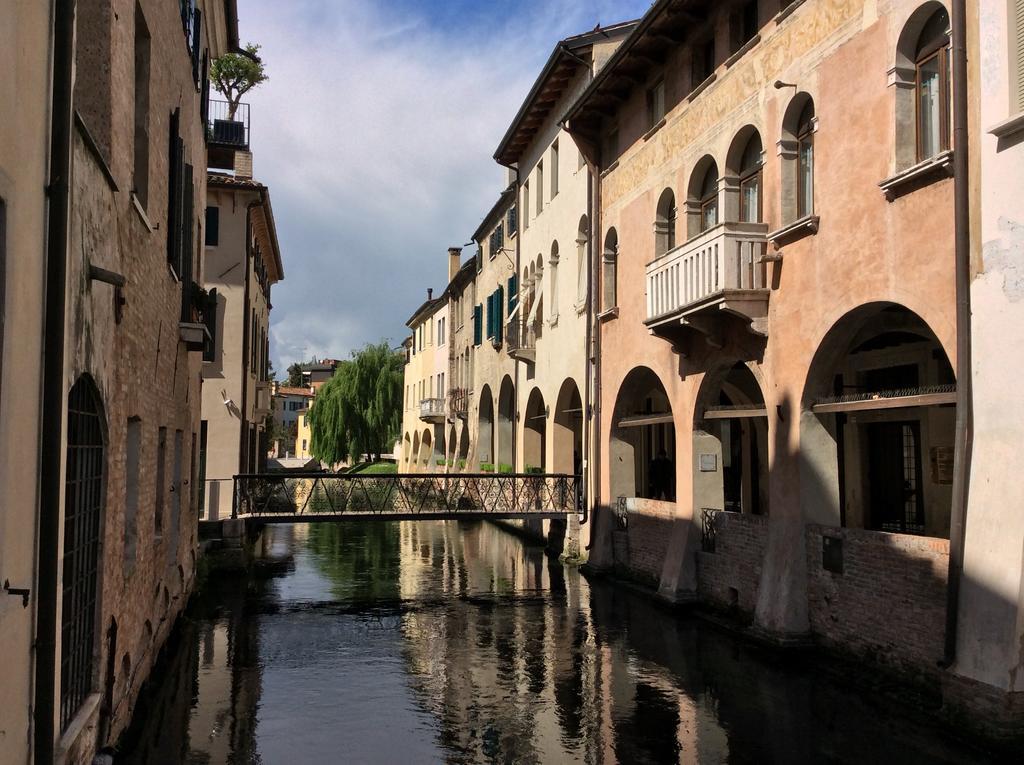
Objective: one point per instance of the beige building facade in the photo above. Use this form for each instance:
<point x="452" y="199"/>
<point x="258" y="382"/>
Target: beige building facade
<point x="114" y="95"/>
<point x="424" y="415"/>
<point x="242" y="262"/>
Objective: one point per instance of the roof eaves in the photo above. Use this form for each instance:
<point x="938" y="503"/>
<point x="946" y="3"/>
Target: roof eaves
<point x="493" y="213"/>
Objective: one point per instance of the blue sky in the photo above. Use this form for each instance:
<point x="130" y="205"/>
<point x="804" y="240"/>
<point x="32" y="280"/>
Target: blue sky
<point x="375" y="134"/>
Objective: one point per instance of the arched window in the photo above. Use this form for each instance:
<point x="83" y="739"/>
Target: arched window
<point x="805" y="161"/>
<point x="932" y="86"/>
<point x="553" y="262"/>
<point x="796" y="152"/>
<point x="702" y="197"/>
<point x="750" y="181"/>
<point x="83" y="526"/>
<point x="665" y="224"/>
<point x="609" y="270"/>
<point x="709" y="198"/>
<point x="582" y="237"/>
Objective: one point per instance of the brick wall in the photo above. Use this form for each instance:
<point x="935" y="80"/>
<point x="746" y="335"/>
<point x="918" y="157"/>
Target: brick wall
<point x="888" y="604"/>
<point x="730" y="575"/>
<point x="639" y="551"/>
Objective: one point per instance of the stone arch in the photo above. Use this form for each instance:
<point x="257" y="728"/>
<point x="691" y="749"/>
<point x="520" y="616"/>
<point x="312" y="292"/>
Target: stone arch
<point x="796" y="151"/>
<point x="702" y="196"/>
<point x="642" y="426"/>
<point x="567" y="430"/>
<point x="610" y="270"/>
<point x="535" y="433"/>
<point x="440" y="448"/>
<point x="453" y="444"/>
<point x="406" y="450"/>
<point x="506" y="422"/>
<point x="743" y="182"/>
<point x="462" y="458"/>
<point x="730" y="429"/>
<point x="665" y="223"/>
<point x="414" y="454"/>
<point x="485" y="427"/>
<point x="878" y="404"/>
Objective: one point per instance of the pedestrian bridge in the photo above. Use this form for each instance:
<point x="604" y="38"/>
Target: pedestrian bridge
<point x="262" y="498"/>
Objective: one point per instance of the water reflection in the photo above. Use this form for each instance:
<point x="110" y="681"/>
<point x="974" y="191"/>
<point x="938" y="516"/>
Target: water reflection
<point x="427" y="642"/>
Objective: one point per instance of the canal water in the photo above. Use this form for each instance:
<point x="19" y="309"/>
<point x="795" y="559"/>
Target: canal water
<point x="422" y="642"/>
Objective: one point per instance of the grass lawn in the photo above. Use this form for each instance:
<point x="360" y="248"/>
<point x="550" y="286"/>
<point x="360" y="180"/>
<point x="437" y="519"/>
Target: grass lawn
<point x="379" y="467"/>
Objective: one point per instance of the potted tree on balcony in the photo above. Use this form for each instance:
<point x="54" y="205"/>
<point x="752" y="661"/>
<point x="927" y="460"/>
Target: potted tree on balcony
<point x="234" y="75"/>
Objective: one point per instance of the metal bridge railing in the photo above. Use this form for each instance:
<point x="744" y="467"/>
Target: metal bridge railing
<point x="308" y="495"/>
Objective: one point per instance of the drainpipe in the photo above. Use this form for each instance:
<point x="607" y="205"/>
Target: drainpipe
<point x="587" y="360"/>
<point x="964" y="434"/>
<point x="593" y="264"/>
<point x="51" y="459"/>
<point x="515" y="394"/>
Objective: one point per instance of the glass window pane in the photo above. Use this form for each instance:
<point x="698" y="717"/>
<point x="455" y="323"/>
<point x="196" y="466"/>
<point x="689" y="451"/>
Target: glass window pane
<point x="929" y="118"/>
<point x="806" y="171"/>
<point x="750" y="192"/>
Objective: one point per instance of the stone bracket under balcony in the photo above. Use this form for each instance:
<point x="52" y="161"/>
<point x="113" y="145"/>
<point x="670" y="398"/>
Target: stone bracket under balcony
<point x="709" y="283"/>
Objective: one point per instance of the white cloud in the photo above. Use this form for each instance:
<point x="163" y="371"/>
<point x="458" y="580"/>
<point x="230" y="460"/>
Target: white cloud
<point x="374" y="134"/>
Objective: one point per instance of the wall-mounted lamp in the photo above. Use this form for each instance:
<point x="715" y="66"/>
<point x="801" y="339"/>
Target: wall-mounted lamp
<point x="779" y="84"/>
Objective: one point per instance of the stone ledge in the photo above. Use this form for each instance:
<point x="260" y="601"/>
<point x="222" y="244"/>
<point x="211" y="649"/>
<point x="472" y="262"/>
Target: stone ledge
<point x="801" y="227"/>
<point x="922" y="174"/>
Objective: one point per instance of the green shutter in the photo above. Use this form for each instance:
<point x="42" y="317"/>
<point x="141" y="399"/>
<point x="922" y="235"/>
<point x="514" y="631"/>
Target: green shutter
<point x="478" y="325"/>
<point x="513" y="292"/>
<point x="490" y="316"/>
<point x="499" y="304"/>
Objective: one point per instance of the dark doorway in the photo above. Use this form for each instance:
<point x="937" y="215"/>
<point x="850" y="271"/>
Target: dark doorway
<point x="894" y="477"/>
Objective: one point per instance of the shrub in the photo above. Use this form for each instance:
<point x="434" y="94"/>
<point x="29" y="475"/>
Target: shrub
<point x="442" y="462"/>
<point x="535" y="470"/>
<point x="462" y="464"/>
<point x="505" y="468"/>
<point x="486" y="467"/>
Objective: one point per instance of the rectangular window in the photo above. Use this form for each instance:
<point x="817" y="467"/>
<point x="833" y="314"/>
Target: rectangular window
<point x="140" y="171"/>
<point x="513" y="292"/>
<point x="212" y="226"/>
<point x="526" y="205"/>
<point x="750" y="198"/>
<point x="512" y="222"/>
<point x="554" y="169"/>
<point x="133" y="454"/>
<point x="655" y="103"/>
<point x="161" y="488"/>
<point x="703" y="61"/>
<point x="540" y="188"/>
<point x="743" y="25"/>
<point x="611" y="147"/>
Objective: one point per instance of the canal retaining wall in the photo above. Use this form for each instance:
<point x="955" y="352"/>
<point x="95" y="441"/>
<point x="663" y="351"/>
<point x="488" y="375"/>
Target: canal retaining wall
<point x="880" y="596"/>
<point x="730" y="576"/>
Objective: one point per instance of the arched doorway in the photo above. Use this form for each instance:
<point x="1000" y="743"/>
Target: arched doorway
<point x="437" y="459"/>
<point x="414" y="454"/>
<point x="877" y="425"/>
<point x="462" y="458"/>
<point x="567" y="435"/>
<point x="406" y="451"/>
<point x="506" y="423"/>
<point x="453" y="445"/>
<point x="426" y="449"/>
<point x="730" y="441"/>
<point x="535" y="434"/>
<point x="642" y="446"/>
<point x="485" y="428"/>
<point x="85" y="490"/>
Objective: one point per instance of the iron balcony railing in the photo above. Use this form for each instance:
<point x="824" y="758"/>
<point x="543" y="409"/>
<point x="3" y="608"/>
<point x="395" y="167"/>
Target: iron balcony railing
<point x="729" y="256"/>
<point x="458" y="401"/>
<point x="522" y="335"/>
<point x="225" y="129"/>
<point x="432" y="408"/>
<point x="333" y="496"/>
<point x="707" y="528"/>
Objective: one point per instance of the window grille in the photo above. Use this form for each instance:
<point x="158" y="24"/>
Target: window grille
<point x="84" y="490"/>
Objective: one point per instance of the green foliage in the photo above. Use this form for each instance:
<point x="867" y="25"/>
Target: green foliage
<point x="486" y="467"/>
<point x="235" y="74"/>
<point x="441" y="462"/>
<point x="295" y="375"/>
<point x="504" y="467"/>
<point x="462" y="464"/>
<point x="378" y="468"/>
<point x="534" y="470"/>
<point x="359" y="410"/>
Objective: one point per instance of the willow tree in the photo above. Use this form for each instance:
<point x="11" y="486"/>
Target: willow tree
<point x="359" y="410"/>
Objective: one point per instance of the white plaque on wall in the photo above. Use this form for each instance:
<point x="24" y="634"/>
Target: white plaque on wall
<point x="708" y="463"/>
